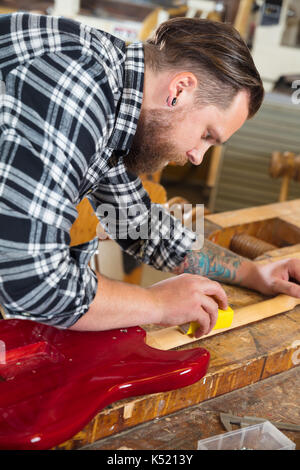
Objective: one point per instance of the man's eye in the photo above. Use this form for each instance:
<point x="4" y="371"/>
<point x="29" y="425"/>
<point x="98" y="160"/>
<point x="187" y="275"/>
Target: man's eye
<point x="207" y="136"/>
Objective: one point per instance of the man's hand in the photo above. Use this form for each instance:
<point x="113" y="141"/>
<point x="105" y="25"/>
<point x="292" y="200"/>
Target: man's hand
<point x="174" y="301"/>
<point x="220" y="264"/>
<point x="188" y="298"/>
<point x="279" y="277"/>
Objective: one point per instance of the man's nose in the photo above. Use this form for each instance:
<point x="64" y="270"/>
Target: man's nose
<point x="195" y="156"/>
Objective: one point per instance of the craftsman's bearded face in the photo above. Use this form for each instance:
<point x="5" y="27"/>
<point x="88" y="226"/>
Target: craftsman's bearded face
<point x="153" y="144"/>
<point x="182" y="134"/>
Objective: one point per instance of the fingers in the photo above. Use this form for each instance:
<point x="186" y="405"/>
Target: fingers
<point x="287" y="287"/>
<point x="212" y="297"/>
<point x="287" y="277"/>
<point x="210" y="311"/>
<point x="206" y="315"/>
<point x="294" y="269"/>
<point x="215" y="290"/>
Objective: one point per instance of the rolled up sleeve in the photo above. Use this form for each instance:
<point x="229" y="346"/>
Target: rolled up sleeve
<point x="51" y="284"/>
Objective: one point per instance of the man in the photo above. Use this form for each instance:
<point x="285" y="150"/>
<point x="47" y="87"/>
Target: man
<point x="83" y="114"/>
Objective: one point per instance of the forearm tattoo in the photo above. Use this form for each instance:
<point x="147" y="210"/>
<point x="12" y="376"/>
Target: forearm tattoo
<point x="212" y="261"/>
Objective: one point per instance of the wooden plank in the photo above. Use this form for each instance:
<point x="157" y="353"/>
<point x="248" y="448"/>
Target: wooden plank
<point x="286" y="210"/>
<point x="243" y="17"/>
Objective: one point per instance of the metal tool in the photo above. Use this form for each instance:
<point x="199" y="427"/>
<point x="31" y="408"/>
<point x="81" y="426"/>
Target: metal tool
<point x="228" y="419"/>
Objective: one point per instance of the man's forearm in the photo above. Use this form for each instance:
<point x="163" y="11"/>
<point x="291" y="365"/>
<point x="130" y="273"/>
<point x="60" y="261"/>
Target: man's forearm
<point x="218" y="263"/>
<point x="118" y="305"/>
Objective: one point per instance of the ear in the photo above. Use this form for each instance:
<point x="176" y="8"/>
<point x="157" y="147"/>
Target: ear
<point x="182" y="87"/>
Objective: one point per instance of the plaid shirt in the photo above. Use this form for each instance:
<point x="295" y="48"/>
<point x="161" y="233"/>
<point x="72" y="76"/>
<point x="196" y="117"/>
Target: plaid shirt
<point x="70" y="98"/>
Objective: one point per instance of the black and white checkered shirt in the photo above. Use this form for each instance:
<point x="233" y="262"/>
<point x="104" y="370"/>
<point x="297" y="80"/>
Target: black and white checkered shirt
<point x="70" y="98"/>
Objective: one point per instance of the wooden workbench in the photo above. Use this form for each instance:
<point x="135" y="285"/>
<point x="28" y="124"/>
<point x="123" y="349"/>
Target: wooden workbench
<point x="239" y="358"/>
<point x="275" y="399"/>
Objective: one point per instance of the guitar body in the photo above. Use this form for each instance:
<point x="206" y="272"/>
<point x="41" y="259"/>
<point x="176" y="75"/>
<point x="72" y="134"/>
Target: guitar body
<point x="54" y="381"/>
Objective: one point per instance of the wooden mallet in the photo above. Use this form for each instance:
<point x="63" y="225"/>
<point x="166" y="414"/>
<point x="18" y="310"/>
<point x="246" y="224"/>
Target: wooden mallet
<point x="287" y="166"/>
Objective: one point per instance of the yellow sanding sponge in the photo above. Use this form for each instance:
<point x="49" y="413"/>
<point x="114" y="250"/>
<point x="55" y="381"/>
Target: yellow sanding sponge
<point x="224" y="320"/>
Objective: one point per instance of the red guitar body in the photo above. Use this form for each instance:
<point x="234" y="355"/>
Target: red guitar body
<point x="53" y="381"/>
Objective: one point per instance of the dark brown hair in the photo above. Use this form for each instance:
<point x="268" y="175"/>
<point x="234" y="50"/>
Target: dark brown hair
<point x="215" y="52"/>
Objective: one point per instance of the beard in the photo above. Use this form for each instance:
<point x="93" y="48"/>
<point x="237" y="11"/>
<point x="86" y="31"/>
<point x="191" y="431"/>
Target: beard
<point x="152" y="148"/>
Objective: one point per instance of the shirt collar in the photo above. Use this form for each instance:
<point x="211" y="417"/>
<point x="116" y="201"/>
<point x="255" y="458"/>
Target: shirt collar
<point x="130" y="103"/>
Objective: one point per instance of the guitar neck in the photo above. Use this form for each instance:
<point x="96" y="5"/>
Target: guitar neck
<point x="172" y="337"/>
